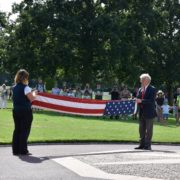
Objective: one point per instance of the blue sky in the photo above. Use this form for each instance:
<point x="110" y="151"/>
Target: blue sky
<point x="5" y="5"/>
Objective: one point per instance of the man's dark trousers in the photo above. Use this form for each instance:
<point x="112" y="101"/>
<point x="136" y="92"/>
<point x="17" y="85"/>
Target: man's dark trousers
<point x="147" y="113"/>
<point x="145" y="131"/>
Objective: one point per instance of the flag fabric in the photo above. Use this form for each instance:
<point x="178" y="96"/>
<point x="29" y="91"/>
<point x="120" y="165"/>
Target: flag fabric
<point x="85" y="107"/>
<point x="69" y="105"/>
<point x="125" y="107"/>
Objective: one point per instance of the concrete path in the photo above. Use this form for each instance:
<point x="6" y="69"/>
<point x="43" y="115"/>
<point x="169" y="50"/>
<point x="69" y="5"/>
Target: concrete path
<point x="91" y="161"/>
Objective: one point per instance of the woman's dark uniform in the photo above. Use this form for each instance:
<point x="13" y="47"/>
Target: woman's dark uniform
<point x="22" y="114"/>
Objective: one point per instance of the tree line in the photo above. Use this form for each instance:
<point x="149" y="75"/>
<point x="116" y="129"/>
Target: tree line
<point x="94" y="41"/>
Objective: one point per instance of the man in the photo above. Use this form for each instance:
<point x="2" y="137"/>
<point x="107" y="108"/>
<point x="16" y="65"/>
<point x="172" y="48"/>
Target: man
<point x="125" y="93"/>
<point x="147" y="112"/>
<point x="178" y="106"/>
<point x="87" y="93"/>
<point x="115" y="95"/>
<point x="40" y="87"/>
<point x="55" y="90"/>
<point x="98" y="92"/>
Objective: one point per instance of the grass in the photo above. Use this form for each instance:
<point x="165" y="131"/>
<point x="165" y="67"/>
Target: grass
<point x="54" y="127"/>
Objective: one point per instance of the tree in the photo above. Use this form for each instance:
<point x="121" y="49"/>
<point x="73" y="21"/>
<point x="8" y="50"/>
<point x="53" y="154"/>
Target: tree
<point x="3" y="24"/>
<point x="166" y="45"/>
<point x="96" y="41"/>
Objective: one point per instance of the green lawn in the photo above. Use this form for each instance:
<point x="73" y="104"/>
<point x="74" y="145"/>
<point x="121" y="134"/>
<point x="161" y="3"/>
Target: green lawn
<point x="53" y="127"/>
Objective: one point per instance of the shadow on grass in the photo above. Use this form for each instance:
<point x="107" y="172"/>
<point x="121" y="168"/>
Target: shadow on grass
<point x="171" y="122"/>
<point x="103" y="118"/>
<point x="123" y="119"/>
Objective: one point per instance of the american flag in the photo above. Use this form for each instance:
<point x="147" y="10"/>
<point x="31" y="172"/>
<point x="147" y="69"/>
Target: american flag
<point x="125" y="107"/>
<point x="85" y="107"/>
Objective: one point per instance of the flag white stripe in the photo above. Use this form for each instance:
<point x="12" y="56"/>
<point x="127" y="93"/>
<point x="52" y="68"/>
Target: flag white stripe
<point x="70" y="103"/>
<point x="135" y="108"/>
<point x="67" y="112"/>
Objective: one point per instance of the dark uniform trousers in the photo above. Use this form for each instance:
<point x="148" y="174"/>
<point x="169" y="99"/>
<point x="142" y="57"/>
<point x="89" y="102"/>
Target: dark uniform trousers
<point x="145" y="131"/>
<point x="22" y="120"/>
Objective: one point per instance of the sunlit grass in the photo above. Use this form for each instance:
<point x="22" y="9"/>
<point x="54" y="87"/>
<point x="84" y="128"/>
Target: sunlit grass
<point x="54" y="127"/>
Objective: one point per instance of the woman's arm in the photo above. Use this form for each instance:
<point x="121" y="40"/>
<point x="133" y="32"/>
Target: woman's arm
<point x="31" y="96"/>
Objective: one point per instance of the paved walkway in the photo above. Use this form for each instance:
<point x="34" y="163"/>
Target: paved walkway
<point x="91" y="161"/>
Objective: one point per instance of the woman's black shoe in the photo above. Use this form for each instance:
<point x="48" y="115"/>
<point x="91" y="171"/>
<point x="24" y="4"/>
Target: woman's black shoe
<point x="139" y="147"/>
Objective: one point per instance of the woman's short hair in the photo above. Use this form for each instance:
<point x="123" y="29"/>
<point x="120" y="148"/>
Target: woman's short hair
<point x="145" y="75"/>
<point x="21" y="76"/>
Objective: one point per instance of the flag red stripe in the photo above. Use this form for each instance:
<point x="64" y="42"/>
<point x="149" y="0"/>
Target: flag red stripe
<point x="67" y="109"/>
<point x="66" y="98"/>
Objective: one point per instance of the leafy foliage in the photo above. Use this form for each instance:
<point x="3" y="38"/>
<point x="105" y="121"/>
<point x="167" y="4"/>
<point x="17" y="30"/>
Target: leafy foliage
<point x="95" y="41"/>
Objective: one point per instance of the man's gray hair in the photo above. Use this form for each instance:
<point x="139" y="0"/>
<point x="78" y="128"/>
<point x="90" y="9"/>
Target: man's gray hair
<point x="145" y="75"/>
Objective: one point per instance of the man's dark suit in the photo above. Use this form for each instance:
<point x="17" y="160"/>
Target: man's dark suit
<point x="147" y="112"/>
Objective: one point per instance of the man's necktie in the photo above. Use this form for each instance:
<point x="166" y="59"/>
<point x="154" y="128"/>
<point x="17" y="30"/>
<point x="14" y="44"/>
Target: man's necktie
<point x="143" y="93"/>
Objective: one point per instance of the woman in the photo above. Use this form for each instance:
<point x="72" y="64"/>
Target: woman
<point x="4" y="95"/>
<point x="22" y="112"/>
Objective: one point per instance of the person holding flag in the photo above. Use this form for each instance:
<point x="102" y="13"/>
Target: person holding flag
<point x="22" y="112"/>
<point x="178" y="107"/>
<point x="147" y="112"/>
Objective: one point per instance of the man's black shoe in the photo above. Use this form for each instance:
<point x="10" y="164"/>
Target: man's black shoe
<point x="139" y="147"/>
<point x="147" y="148"/>
<point x="26" y="154"/>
